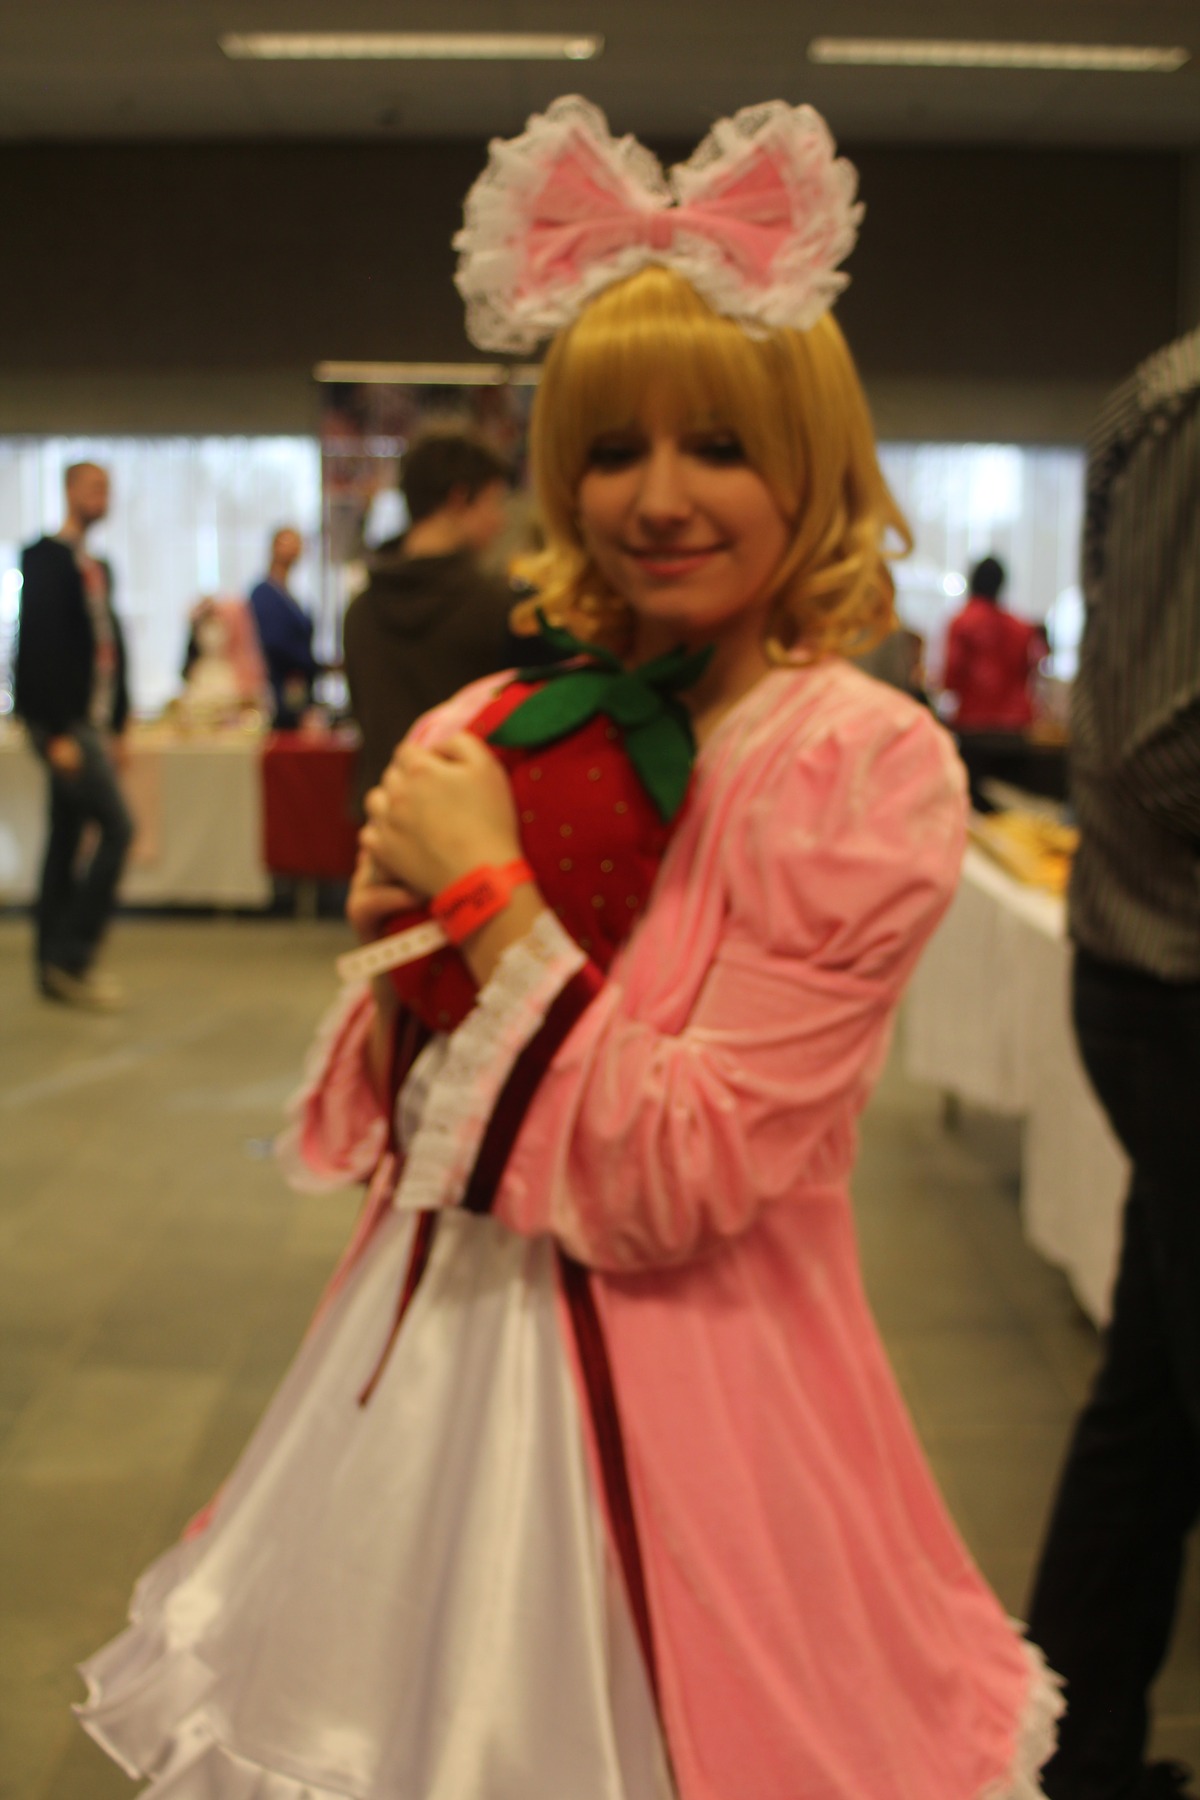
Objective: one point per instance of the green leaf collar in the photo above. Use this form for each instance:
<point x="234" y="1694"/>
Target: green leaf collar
<point x="654" y="724"/>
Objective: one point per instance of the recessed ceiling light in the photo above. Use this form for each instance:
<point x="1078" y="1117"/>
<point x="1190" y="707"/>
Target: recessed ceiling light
<point x="430" y="374"/>
<point x="423" y="46"/>
<point x="950" y="53"/>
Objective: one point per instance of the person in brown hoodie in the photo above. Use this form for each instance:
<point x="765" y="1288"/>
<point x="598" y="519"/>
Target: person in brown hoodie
<point x="430" y="618"/>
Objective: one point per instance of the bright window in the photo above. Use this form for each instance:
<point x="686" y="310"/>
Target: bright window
<point x="189" y="516"/>
<point x="967" y="501"/>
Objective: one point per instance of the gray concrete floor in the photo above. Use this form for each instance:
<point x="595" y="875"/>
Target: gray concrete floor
<point x="155" y="1277"/>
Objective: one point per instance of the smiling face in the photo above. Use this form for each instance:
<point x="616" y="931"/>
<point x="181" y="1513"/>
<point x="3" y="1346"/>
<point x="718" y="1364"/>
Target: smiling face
<point x="804" y="517"/>
<point x="682" y="528"/>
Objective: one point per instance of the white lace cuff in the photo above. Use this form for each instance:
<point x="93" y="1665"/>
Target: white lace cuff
<point x="508" y="1014"/>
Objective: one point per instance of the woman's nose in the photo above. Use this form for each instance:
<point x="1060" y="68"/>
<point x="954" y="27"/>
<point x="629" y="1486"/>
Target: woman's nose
<point x="663" y="500"/>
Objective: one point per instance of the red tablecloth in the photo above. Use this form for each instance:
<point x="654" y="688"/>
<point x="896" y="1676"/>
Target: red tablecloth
<point x="309" y="828"/>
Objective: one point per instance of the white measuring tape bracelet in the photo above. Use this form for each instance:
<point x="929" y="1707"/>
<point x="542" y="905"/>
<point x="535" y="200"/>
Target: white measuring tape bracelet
<point x="391" y="952"/>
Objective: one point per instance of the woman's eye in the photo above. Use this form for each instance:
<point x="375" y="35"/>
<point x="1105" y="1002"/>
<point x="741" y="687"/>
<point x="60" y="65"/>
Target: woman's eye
<point x="613" y="453"/>
<point x="722" y="447"/>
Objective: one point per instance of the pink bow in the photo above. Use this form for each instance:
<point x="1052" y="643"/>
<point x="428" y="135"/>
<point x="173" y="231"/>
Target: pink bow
<point x="586" y="214"/>
<point x="757" y="221"/>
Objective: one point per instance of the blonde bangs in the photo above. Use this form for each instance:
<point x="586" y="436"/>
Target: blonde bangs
<point x="794" y="400"/>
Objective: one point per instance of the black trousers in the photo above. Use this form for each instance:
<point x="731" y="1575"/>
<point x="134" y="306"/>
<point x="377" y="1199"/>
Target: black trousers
<point x="74" y="904"/>
<point x="1106" y="1591"/>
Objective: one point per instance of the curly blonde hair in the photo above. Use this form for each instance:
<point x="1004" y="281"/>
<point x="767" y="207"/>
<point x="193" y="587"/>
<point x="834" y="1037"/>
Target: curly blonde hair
<point x="794" y="400"/>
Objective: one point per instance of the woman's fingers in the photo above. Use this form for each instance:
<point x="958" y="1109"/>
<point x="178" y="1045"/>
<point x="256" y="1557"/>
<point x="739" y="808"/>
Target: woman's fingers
<point x="376" y="803"/>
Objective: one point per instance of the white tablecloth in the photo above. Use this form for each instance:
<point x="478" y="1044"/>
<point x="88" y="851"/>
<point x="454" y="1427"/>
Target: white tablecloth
<point x="988" y="1019"/>
<point x="198" y="802"/>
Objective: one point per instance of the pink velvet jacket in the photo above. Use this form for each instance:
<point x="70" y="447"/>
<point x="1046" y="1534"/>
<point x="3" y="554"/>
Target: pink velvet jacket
<point x="820" y="1632"/>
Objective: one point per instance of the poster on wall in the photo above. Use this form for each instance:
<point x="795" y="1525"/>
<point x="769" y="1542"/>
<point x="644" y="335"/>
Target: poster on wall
<point x="370" y="414"/>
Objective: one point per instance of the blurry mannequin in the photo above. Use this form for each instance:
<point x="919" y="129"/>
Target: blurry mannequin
<point x="223" y="672"/>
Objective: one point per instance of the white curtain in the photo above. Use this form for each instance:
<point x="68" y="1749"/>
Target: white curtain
<point x="189" y="516"/>
<point x="967" y="501"/>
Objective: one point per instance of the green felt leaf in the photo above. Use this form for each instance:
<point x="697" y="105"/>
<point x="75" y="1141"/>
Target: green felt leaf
<point x="662" y="755"/>
<point x="679" y="668"/>
<point x="655" y="725"/>
<point x="630" y="702"/>
<point x="554" y="710"/>
<point x="567" y="644"/>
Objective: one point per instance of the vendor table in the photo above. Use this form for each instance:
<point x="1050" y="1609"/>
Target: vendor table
<point x="310" y="826"/>
<point x="197" y="805"/>
<point x="988" y="1020"/>
<point x="217" y="815"/>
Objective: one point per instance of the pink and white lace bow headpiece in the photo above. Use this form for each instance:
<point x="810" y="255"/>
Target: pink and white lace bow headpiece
<point x="757" y="220"/>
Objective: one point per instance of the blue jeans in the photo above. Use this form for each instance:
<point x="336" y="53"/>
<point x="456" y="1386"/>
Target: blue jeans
<point x="1107" y="1588"/>
<point x="74" y="904"/>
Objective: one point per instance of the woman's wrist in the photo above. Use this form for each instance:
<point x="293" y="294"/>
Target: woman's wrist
<point x="483" y="949"/>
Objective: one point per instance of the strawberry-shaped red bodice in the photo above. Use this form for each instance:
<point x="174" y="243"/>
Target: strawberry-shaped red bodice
<point x="590" y="829"/>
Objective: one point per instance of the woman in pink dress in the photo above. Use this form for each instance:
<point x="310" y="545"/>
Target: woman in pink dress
<point x="591" y="1480"/>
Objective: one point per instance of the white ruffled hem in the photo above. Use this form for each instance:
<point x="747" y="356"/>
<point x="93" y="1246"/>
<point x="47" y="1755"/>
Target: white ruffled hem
<point x="202" y="1768"/>
<point x="1036" y="1734"/>
<point x="476" y="1061"/>
<point x="199" y="1766"/>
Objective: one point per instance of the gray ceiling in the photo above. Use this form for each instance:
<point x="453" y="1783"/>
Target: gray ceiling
<point x="125" y="69"/>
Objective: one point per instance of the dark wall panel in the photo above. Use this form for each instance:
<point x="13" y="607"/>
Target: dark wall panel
<point x="1022" y="265"/>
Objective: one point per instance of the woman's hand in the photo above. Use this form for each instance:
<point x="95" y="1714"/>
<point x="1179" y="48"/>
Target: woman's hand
<point x="440" y="813"/>
<point x="373" y="898"/>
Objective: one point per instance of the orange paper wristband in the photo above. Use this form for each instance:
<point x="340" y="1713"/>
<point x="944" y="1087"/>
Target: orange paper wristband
<point x="468" y="903"/>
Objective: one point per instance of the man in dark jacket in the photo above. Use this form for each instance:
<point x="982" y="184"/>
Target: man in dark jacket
<point x="71" y="691"/>
<point x="430" y="619"/>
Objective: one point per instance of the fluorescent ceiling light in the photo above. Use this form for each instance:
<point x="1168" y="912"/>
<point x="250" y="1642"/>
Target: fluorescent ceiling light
<point x="950" y="53"/>
<point x="426" y="46"/>
<point x="430" y="374"/>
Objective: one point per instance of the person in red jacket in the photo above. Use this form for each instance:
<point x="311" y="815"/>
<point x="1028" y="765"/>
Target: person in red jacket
<point x="990" y="656"/>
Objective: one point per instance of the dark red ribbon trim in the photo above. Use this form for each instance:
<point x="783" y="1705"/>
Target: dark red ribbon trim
<point x="499" y="1137"/>
<point x="409" y="1037"/>
<point x="501" y="1134"/>
<point x="418" y="1261"/>
<point x="610" y="1448"/>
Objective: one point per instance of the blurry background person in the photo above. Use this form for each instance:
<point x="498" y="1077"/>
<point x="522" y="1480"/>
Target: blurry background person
<point x="223" y="671"/>
<point x="1106" y="1593"/>
<point x="70" y="688"/>
<point x="430" y="619"/>
<point x="285" y="633"/>
<point x="991" y="658"/>
<point x="899" y="660"/>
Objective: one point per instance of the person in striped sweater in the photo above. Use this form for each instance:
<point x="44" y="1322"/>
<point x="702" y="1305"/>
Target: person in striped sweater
<point x="1108" y="1585"/>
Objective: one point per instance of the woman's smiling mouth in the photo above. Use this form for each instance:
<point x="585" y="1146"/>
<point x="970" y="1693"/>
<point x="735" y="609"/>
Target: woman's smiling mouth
<point x="671" y="560"/>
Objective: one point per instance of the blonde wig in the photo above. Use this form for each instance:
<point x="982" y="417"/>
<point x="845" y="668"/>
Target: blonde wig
<point x="794" y="400"/>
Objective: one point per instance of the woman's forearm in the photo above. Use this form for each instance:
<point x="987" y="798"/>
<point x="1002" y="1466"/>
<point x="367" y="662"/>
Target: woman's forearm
<point x="483" y="949"/>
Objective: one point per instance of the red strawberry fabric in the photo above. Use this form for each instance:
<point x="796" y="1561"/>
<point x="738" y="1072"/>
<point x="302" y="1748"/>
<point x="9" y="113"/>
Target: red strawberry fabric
<point x="591" y="834"/>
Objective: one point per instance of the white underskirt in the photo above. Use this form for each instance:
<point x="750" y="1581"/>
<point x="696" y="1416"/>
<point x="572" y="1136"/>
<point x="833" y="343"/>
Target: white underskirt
<point x="411" y="1600"/>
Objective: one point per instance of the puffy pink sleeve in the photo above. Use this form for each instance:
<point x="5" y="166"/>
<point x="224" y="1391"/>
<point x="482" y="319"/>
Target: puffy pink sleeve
<point x="644" y="1146"/>
<point x="337" y="1125"/>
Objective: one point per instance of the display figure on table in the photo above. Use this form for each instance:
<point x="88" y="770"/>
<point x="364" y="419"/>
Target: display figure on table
<point x="591" y="1478"/>
<point x="285" y="633"/>
<point x="71" y="691"/>
<point x="223" y="671"/>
